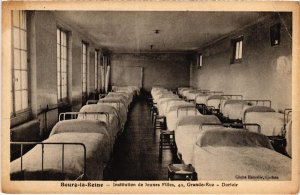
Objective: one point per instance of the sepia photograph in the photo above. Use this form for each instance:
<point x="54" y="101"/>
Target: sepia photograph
<point x="157" y="99"/>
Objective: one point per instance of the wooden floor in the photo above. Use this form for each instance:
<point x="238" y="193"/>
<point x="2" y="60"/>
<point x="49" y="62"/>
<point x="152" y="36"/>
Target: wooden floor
<point x="136" y="153"/>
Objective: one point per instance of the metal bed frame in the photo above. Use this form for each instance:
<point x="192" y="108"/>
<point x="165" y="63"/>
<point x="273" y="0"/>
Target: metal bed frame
<point x="91" y="102"/>
<point x="75" y="115"/>
<point x="230" y="96"/>
<point x="186" y="108"/>
<point x="112" y="102"/>
<point x="215" y="92"/>
<point x="258" y="101"/>
<point x="233" y="125"/>
<point x="81" y="177"/>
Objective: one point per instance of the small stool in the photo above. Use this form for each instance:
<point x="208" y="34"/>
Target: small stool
<point x="166" y="141"/>
<point x="159" y="123"/>
<point x="182" y="172"/>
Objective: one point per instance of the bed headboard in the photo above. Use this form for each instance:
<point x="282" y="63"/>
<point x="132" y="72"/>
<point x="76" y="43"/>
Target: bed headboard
<point x="231" y="137"/>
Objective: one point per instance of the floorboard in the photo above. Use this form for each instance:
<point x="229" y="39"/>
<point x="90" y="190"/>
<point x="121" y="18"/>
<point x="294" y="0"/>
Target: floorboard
<point x="136" y="153"/>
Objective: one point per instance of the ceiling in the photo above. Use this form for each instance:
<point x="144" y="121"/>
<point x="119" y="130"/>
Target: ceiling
<point x="123" y="31"/>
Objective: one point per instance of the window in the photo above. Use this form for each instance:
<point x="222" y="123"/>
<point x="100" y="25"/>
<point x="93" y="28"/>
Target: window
<point x="199" y="60"/>
<point x="237" y="50"/>
<point x="84" y="67"/>
<point x="62" y="61"/>
<point x="275" y="34"/>
<point x="19" y="88"/>
<point x="97" y="62"/>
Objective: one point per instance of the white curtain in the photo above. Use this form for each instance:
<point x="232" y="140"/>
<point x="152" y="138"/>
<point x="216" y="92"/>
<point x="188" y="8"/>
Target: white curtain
<point x="107" y="78"/>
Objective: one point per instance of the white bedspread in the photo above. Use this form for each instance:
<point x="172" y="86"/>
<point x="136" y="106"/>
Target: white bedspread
<point x="271" y="123"/>
<point x="163" y="104"/>
<point x="113" y="125"/>
<point x="228" y="163"/>
<point x="96" y="154"/>
<point x="226" y="154"/>
<point x="233" y="109"/>
<point x="119" y="97"/>
<point x="186" y="137"/>
<point x="175" y="112"/>
<point x="185" y="92"/>
<point x="121" y="108"/>
<point x="201" y="99"/>
<point x="191" y="95"/>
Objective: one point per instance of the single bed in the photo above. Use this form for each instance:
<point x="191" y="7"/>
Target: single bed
<point x="235" y="154"/>
<point x="130" y="89"/>
<point x="158" y="95"/>
<point x="187" y="131"/>
<point x="163" y="104"/>
<point x="119" y="106"/>
<point x="126" y="95"/>
<point x="185" y="92"/>
<point x="181" y="89"/>
<point x="112" y="119"/>
<point x="83" y="156"/>
<point x="191" y="95"/>
<point x="271" y="122"/>
<point x="178" y="109"/>
<point x="119" y="97"/>
<point x="232" y="109"/>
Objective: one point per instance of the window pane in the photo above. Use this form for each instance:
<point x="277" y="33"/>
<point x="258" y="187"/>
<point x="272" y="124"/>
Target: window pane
<point x="58" y="77"/>
<point x="17" y="59"/>
<point x="18" y="100"/>
<point x="58" y="64"/>
<point x="63" y="39"/>
<point x="23" y="40"/>
<point x="24" y="99"/>
<point x="200" y="60"/>
<point x="237" y="45"/>
<point x="240" y="49"/>
<point x="23" y="60"/>
<point x="64" y="79"/>
<point x="58" y="92"/>
<point x="58" y="36"/>
<point x="83" y="58"/>
<point x="63" y="52"/>
<point x="16" y="18"/>
<point x="24" y="20"/>
<point x="83" y="48"/>
<point x="16" y="38"/>
<point x="64" y="66"/>
<point x="24" y="75"/>
<point x="17" y="78"/>
<point x="64" y="92"/>
<point x="84" y="69"/>
<point x="58" y="50"/>
<point x="84" y="87"/>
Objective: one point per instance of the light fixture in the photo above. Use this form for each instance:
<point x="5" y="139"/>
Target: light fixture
<point x="157" y="31"/>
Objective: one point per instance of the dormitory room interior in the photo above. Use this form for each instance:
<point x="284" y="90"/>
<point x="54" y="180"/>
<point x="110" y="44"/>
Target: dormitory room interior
<point x="150" y="95"/>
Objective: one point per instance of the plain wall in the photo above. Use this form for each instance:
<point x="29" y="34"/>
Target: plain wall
<point x="265" y="71"/>
<point x="170" y="70"/>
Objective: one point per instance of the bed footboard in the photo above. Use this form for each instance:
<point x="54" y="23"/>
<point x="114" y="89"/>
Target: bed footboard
<point x="83" y="176"/>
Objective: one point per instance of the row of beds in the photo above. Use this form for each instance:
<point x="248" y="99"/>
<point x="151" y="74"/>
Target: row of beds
<point x="223" y="136"/>
<point x="81" y="144"/>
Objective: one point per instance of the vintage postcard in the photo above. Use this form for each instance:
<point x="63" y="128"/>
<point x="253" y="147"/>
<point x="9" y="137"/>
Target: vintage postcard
<point x="184" y="97"/>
